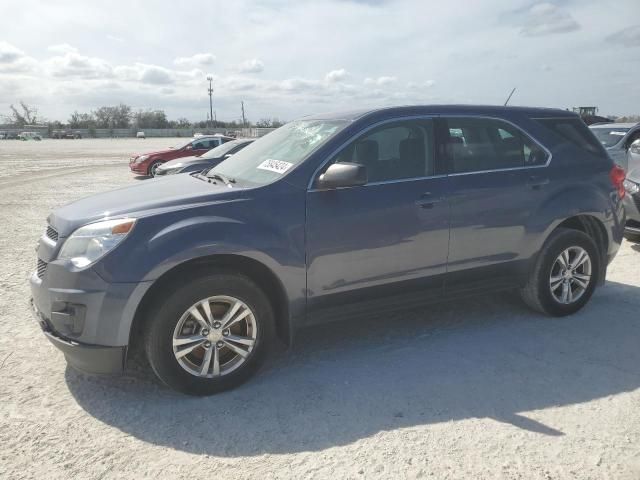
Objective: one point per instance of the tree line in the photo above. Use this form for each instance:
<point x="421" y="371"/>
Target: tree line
<point x="122" y="116"/>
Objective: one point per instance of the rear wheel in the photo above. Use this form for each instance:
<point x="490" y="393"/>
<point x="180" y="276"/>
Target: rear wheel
<point x="565" y="274"/>
<point x="210" y="335"/>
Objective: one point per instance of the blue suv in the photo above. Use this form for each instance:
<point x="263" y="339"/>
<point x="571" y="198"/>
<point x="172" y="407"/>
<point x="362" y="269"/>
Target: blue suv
<point x="327" y="218"/>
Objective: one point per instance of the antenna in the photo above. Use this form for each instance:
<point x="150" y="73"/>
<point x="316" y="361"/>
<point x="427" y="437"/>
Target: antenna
<point x="509" y="97"/>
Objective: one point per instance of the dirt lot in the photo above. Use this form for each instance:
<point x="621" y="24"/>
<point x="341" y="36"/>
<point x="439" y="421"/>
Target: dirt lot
<point x="478" y="389"/>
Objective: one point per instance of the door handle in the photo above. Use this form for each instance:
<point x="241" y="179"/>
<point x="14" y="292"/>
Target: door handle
<point x="536" y="183"/>
<point x="427" y="200"/>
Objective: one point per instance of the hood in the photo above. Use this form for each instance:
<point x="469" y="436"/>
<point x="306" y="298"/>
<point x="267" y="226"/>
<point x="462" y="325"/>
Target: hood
<point x="180" y="161"/>
<point x="147" y="198"/>
<point x="158" y="152"/>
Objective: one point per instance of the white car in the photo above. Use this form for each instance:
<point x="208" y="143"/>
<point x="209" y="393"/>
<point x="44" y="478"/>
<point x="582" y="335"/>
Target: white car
<point x="140" y="135"/>
<point x="30" y="136"/>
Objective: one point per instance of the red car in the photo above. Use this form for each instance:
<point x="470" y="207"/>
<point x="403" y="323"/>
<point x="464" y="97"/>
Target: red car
<point x="146" y="164"/>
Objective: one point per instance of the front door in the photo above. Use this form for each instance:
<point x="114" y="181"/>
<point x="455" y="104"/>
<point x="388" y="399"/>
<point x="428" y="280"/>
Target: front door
<point x="386" y="239"/>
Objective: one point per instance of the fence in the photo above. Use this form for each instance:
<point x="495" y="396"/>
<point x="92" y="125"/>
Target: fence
<point x="149" y="132"/>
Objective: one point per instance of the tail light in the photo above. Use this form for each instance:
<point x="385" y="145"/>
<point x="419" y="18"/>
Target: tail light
<point x="617" y="177"/>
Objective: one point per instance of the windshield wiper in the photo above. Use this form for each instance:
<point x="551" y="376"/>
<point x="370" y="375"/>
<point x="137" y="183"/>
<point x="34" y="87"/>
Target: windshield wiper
<point x="224" y="179"/>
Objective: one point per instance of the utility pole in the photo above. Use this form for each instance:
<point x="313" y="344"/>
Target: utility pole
<point x="244" y="120"/>
<point x="210" y="90"/>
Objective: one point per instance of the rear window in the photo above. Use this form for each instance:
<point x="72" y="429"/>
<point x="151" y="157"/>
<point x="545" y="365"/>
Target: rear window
<point x="573" y="131"/>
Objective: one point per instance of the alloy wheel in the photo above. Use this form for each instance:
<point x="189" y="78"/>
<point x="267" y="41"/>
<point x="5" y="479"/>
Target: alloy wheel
<point x="570" y="275"/>
<point x="215" y="336"/>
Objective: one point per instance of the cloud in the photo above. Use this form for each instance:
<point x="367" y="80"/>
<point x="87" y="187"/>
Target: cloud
<point x="9" y="53"/>
<point x="62" y="48"/>
<point x="149" y="74"/>
<point x="197" y="60"/>
<point x="420" y="85"/>
<point x="297" y="85"/>
<point x="336" y="75"/>
<point x="380" y="81"/>
<point x="629" y="37"/>
<point x="114" y="38"/>
<point x="253" y="65"/>
<point x="547" y="19"/>
<point x="73" y="64"/>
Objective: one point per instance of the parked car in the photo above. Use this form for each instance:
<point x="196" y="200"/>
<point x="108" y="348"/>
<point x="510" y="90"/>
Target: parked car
<point x="632" y="199"/>
<point x="147" y="164"/>
<point x="141" y="135"/>
<point x="3" y="135"/>
<point x="66" y="134"/>
<point x="326" y="218"/>
<point x="29" y="136"/>
<point x="617" y="138"/>
<point x="205" y="161"/>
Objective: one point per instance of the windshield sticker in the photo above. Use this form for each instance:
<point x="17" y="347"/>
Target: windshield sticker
<point x="622" y="134"/>
<point x="278" y="166"/>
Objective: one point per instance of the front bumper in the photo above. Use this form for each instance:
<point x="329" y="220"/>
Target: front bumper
<point x="632" y="210"/>
<point x="86" y="317"/>
<point x="94" y="359"/>
<point x="138" y="168"/>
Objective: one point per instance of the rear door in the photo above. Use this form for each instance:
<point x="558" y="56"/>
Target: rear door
<point x="384" y="240"/>
<point x="495" y="185"/>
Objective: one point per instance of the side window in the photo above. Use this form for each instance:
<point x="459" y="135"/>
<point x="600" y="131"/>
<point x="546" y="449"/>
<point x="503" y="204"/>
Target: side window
<point x="479" y="144"/>
<point x="573" y="131"/>
<point x="394" y="151"/>
<point x="199" y="145"/>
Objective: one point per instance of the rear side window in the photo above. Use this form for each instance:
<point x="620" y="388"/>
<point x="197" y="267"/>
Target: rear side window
<point x="573" y="131"/>
<point x="484" y="144"/>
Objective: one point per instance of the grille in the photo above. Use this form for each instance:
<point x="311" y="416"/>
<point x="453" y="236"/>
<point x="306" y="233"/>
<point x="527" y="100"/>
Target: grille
<point x="42" y="267"/>
<point x="51" y="233"/>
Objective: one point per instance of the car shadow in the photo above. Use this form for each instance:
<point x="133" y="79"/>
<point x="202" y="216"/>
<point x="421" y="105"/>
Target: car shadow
<point x="485" y="357"/>
<point x="141" y="177"/>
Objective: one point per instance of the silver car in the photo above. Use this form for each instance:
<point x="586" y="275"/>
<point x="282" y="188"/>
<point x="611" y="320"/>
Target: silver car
<point x="632" y="198"/>
<point x="617" y="139"/>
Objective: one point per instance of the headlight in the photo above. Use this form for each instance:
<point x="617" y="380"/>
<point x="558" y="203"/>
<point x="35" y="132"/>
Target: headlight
<point x="631" y="187"/>
<point x="141" y="158"/>
<point x="173" y="170"/>
<point x="89" y="243"/>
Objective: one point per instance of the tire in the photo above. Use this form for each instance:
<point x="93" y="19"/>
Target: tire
<point x="163" y="330"/>
<point x="152" y="169"/>
<point x="632" y="237"/>
<point x="539" y="294"/>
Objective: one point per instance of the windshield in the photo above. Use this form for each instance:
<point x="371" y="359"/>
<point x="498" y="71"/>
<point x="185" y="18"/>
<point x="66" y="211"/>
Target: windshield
<point x="609" y="136"/>
<point x="182" y="145"/>
<point x="220" y="150"/>
<point x="278" y="152"/>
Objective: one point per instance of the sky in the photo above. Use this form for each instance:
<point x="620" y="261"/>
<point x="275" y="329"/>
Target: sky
<point x="288" y="59"/>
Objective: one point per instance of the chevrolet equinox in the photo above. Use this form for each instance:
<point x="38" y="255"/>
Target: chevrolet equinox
<point x="326" y="218"/>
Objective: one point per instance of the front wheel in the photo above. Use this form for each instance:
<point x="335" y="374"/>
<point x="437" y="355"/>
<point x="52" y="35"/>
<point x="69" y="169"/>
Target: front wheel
<point x="210" y="335"/>
<point x="632" y="237"/>
<point x="565" y="274"/>
<point x="153" y="169"/>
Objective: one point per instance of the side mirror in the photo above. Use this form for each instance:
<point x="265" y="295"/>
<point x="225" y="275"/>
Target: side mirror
<point x="635" y="147"/>
<point x="227" y="156"/>
<point x="342" y="175"/>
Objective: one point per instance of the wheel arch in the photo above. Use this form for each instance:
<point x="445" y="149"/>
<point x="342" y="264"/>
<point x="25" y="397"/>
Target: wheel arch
<point x="595" y="229"/>
<point x="258" y="272"/>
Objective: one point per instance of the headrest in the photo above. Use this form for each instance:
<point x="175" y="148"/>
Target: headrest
<point x="366" y="151"/>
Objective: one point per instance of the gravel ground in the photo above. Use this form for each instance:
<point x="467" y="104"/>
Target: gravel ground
<point x="482" y="388"/>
